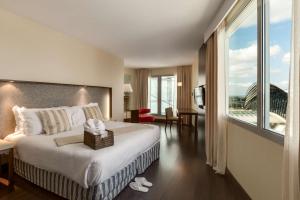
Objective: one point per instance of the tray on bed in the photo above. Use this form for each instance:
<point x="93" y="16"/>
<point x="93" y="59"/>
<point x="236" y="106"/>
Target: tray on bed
<point x="97" y="142"/>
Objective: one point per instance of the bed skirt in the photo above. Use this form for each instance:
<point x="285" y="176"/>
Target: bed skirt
<point x="107" y="190"/>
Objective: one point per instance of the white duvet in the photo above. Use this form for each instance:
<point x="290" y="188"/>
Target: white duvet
<point x="79" y="162"/>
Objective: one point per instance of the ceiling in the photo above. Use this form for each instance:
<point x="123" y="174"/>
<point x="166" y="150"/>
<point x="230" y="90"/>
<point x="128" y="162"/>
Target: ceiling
<point x="145" y="33"/>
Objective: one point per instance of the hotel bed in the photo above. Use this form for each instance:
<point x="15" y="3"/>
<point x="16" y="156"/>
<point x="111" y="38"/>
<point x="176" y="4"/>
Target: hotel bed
<point x="76" y="171"/>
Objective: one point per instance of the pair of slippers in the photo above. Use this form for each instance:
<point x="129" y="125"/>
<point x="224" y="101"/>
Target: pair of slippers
<point x="139" y="183"/>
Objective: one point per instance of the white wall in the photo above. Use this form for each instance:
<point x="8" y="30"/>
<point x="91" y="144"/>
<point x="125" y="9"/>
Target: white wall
<point x="219" y="17"/>
<point x="255" y="162"/>
<point x="29" y="51"/>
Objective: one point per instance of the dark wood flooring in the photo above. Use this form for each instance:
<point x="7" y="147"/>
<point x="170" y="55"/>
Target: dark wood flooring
<point x="179" y="174"/>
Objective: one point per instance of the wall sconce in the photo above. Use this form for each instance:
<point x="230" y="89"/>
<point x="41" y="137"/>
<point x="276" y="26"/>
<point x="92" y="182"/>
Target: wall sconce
<point x="179" y="84"/>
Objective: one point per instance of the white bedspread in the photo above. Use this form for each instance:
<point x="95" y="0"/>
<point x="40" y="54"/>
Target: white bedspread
<point x="79" y="162"/>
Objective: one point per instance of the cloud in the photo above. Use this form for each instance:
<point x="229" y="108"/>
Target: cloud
<point x="283" y="85"/>
<point x="279" y="12"/>
<point x="238" y="89"/>
<point x="243" y="55"/>
<point x="275" y="50"/>
<point x="243" y="67"/>
<point x="275" y="71"/>
<point x="286" y="58"/>
<point x="243" y="62"/>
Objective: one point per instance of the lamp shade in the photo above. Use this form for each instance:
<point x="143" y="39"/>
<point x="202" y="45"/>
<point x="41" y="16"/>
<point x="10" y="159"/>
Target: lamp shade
<point x="128" y="88"/>
<point x="179" y="84"/>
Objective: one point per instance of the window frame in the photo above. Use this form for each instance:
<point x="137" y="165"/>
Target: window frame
<point x="159" y="77"/>
<point x="158" y="94"/>
<point x="262" y="72"/>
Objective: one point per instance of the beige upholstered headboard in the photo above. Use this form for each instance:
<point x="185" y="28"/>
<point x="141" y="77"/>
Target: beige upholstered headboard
<point x="44" y="95"/>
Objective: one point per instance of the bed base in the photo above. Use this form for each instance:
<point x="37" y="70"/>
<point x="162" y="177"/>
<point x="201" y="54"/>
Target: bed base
<point x="107" y="190"/>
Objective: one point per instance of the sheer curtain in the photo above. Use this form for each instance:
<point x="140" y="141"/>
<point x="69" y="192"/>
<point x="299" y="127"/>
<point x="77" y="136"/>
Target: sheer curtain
<point x="142" y="76"/>
<point x="215" y="114"/>
<point x="184" y="92"/>
<point x="291" y="178"/>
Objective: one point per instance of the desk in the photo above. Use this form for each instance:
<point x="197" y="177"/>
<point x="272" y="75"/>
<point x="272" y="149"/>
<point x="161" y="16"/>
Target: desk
<point x="189" y="112"/>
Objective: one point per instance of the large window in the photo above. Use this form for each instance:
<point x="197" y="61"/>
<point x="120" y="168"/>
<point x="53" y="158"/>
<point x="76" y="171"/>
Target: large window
<point x="277" y="63"/>
<point x="258" y="48"/>
<point x="153" y="94"/>
<point x="242" y="65"/>
<point x="162" y="93"/>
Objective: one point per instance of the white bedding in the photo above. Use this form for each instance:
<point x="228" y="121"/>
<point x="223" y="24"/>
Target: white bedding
<point x="79" y="162"/>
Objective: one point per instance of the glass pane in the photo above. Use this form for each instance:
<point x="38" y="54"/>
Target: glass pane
<point x="153" y="95"/>
<point x="168" y="93"/>
<point x="242" y="65"/>
<point x="278" y="63"/>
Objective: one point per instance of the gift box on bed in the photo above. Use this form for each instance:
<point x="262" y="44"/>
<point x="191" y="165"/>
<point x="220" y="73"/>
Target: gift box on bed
<point x="98" y="141"/>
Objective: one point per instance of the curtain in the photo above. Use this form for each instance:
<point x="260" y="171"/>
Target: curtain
<point x="215" y="113"/>
<point x="184" y="92"/>
<point x="142" y="76"/>
<point x="291" y="154"/>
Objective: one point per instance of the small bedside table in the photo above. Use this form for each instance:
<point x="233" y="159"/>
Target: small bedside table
<point x="6" y="148"/>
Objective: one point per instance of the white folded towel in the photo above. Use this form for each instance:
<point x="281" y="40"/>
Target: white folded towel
<point x="96" y="127"/>
<point x="95" y="124"/>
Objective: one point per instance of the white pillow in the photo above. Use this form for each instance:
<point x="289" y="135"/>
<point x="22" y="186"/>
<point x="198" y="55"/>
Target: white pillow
<point x="95" y="104"/>
<point x="76" y="116"/>
<point x="32" y="125"/>
<point x="18" y="118"/>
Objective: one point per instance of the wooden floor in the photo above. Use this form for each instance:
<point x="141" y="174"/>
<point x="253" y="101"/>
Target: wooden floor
<point x="180" y="173"/>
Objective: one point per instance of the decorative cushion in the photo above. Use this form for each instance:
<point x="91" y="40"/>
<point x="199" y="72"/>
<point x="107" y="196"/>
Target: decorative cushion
<point x="18" y="117"/>
<point x="31" y="123"/>
<point x="55" y="121"/>
<point x="93" y="112"/>
<point x="144" y="110"/>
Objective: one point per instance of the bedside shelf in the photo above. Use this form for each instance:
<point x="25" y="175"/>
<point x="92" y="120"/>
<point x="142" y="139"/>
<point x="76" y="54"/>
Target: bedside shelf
<point x="6" y="148"/>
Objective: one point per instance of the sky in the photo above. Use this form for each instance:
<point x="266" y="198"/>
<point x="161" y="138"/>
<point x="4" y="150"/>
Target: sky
<point x="243" y="49"/>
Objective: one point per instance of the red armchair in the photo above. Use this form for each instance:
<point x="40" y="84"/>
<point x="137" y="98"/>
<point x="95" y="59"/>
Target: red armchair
<point x="142" y="116"/>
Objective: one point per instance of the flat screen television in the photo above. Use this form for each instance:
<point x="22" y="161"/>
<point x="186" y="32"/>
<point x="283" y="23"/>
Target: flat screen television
<point x="199" y="96"/>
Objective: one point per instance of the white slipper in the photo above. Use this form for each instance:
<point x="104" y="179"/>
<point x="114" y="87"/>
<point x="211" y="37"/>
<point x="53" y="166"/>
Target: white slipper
<point x="143" y="181"/>
<point x="138" y="187"/>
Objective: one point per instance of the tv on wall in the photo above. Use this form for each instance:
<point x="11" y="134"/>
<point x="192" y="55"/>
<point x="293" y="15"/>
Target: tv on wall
<point x="199" y="96"/>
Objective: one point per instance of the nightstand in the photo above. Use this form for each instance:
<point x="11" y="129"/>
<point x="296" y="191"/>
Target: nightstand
<point x="6" y="148"/>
